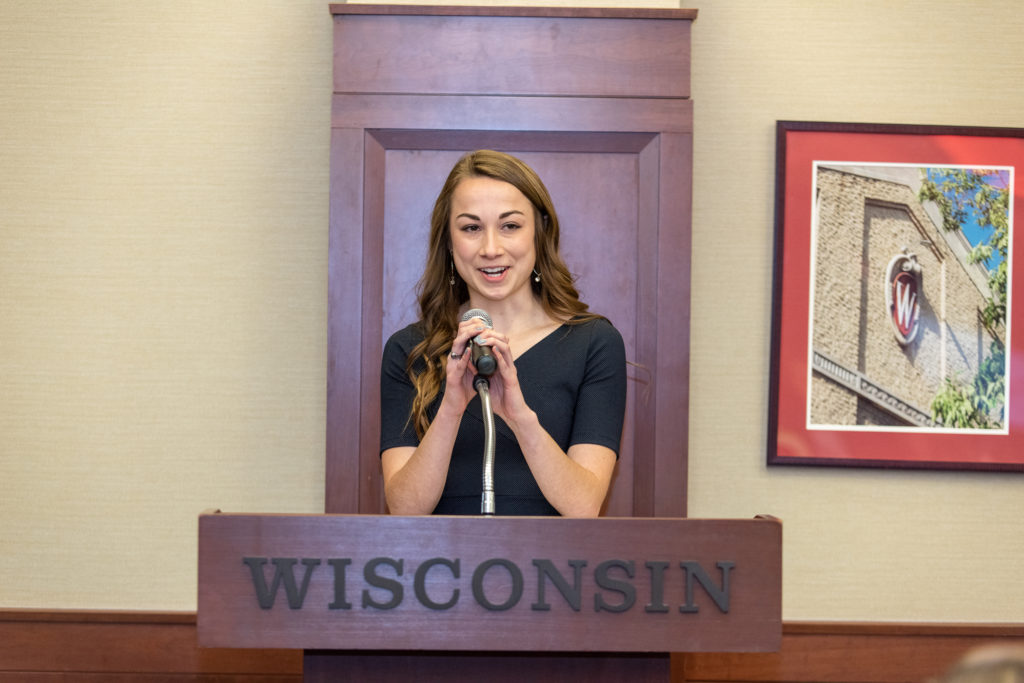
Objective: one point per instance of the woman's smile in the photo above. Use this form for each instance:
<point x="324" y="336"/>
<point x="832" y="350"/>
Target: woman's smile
<point x="494" y="273"/>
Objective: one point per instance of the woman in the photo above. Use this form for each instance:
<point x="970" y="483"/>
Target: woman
<point x="558" y="392"/>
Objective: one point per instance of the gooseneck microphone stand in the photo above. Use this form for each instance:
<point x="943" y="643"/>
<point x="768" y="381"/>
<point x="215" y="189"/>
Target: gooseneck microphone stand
<point x="483" y="388"/>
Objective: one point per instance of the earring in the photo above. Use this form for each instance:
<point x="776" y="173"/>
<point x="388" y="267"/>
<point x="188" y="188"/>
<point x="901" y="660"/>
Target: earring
<point x="451" y="274"/>
<point x="536" y="275"/>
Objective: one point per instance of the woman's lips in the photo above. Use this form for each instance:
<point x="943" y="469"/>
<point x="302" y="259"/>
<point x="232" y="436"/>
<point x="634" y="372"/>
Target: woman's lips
<point x="493" y="273"/>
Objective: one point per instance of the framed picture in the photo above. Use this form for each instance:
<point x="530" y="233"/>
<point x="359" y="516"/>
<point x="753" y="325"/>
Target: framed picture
<point x="897" y="336"/>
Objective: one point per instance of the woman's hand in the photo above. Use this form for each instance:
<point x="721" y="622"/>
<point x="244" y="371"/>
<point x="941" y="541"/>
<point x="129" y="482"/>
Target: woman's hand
<point x="506" y="394"/>
<point x="459" y="370"/>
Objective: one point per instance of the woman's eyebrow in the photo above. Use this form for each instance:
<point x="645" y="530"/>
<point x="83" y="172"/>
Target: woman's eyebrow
<point x="504" y="215"/>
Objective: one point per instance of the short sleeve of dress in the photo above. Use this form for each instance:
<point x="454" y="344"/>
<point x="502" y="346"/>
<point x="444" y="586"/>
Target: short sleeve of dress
<point x="397" y="391"/>
<point x="601" y="402"/>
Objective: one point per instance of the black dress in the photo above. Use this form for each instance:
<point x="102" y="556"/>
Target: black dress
<point x="574" y="379"/>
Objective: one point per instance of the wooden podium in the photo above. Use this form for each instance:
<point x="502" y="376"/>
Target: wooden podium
<point x="379" y="598"/>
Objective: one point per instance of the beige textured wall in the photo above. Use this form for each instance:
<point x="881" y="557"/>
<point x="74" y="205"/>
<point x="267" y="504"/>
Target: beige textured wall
<point x="163" y="240"/>
<point x="163" y="234"/>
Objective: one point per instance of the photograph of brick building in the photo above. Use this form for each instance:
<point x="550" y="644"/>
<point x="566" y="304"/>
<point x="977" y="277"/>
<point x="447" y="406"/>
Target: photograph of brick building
<point x="898" y="307"/>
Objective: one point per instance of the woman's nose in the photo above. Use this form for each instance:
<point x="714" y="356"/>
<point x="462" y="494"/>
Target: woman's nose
<point x="491" y="245"/>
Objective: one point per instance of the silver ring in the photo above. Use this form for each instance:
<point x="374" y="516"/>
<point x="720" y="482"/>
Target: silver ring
<point x="455" y="356"/>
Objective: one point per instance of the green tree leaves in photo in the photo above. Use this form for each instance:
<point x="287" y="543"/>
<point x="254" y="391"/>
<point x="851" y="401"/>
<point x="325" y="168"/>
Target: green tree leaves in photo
<point x="976" y="202"/>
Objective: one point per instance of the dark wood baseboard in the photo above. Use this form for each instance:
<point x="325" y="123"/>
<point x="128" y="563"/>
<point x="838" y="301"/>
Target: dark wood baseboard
<point x="160" y="647"/>
<point x="835" y="652"/>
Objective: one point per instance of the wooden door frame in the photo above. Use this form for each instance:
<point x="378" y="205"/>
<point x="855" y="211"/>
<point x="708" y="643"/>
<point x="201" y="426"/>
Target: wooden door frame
<point x="614" y="107"/>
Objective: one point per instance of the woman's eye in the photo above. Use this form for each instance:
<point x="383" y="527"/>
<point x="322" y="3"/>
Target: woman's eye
<point x="470" y="227"/>
<point x="511" y="226"/>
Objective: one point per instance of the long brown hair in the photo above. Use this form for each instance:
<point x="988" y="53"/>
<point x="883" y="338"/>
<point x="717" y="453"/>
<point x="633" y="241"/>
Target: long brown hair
<point x="440" y="300"/>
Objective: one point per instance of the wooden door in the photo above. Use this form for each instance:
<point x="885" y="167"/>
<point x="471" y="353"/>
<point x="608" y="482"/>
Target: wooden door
<point x="597" y="101"/>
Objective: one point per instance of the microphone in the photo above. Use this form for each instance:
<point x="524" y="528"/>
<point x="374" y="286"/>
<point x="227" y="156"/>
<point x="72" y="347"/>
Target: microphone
<point x="485" y="364"/>
<point x="482" y="357"/>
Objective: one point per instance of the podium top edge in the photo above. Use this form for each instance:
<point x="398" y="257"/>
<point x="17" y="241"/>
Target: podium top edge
<point x="769" y="519"/>
<point x="341" y="9"/>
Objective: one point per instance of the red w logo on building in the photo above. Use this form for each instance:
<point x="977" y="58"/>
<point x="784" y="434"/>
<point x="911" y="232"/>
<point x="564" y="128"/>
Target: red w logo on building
<point x="902" y="296"/>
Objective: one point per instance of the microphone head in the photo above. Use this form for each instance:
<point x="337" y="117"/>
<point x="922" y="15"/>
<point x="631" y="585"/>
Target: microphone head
<point x="478" y="313"/>
<point x="483" y="359"/>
